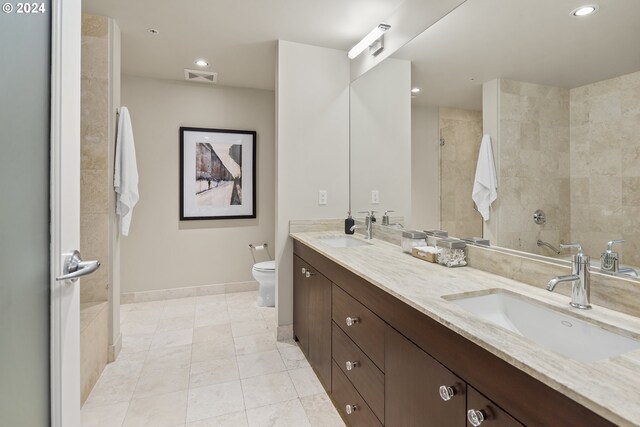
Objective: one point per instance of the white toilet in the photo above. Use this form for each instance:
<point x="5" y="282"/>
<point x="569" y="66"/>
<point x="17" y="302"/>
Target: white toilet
<point x="265" y="275"/>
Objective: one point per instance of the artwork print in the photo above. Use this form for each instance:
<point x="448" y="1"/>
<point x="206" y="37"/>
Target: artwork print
<point x="217" y="174"/>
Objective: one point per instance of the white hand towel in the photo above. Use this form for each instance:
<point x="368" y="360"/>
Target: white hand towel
<point x="125" y="178"/>
<point x="486" y="184"/>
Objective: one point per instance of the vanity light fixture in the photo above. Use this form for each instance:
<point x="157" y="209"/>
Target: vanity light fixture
<point x="371" y="39"/>
<point x="415" y="90"/>
<point x="585" y="10"/>
<point x="201" y="62"/>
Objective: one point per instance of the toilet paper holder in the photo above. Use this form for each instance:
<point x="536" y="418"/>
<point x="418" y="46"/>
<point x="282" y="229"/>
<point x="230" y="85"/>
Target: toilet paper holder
<point x="253" y="248"/>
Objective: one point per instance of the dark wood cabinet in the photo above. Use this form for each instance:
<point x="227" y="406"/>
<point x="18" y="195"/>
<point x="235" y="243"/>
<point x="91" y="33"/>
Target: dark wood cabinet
<point x="360" y="370"/>
<point x="319" y="325"/>
<point x="301" y="304"/>
<point x="409" y="356"/>
<point x="489" y="412"/>
<point x="350" y="404"/>
<point x="412" y="383"/>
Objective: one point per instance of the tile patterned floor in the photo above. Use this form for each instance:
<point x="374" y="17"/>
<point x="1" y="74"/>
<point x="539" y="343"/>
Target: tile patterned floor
<point x="206" y="361"/>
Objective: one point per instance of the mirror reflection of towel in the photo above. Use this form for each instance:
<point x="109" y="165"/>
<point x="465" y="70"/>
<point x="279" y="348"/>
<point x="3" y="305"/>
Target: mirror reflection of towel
<point x="125" y="179"/>
<point x="485" y="184"/>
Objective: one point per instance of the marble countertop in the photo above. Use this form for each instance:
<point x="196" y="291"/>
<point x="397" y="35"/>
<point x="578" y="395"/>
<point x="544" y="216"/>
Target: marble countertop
<point x="610" y="387"/>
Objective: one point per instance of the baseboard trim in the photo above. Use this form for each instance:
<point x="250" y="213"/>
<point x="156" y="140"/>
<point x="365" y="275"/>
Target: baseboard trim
<point x="114" y="350"/>
<point x="285" y="333"/>
<point x="193" y="291"/>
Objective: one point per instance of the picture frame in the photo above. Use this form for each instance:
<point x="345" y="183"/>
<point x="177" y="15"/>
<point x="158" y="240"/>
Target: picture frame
<point x="217" y="174"/>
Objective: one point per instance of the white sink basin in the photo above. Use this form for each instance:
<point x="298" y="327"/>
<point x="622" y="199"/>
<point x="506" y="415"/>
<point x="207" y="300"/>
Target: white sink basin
<point x="567" y="335"/>
<point x="343" y="242"/>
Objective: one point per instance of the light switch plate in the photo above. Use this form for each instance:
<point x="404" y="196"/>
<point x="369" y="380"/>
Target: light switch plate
<point x="322" y="197"/>
<point x="375" y="197"/>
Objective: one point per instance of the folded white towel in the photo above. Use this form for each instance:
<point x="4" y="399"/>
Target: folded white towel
<point x="485" y="184"/>
<point x="125" y="179"/>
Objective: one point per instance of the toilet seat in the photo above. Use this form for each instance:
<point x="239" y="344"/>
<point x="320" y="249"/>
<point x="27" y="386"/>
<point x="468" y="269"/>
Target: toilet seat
<point x="265" y="266"/>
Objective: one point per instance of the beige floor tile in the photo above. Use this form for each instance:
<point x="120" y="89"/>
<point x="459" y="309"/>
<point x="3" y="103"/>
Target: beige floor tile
<point x="107" y="415"/>
<point x="244" y="314"/>
<point x="306" y="382"/>
<point x="208" y="299"/>
<point x="175" y="323"/>
<point x="212" y="350"/>
<point x="215" y="400"/>
<point x="138" y="328"/>
<point x="172" y="338"/>
<point x="251" y="327"/>
<point x="157" y="411"/>
<point x="168" y="358"/>
<point x="213" y="372"/>
<point x="135" y="343"/>
<point x="255" y="344"/>
<point x="161" y="381"/>
<point x="293" y="358"/>
<point x="112" y="389"/>
<point x="320" y="411"/>
<point x="213" y="318"/>
<point x="217" y="333"/>
<point x="284" y="414"/>
<point x="268" y="389"/>
<point x="237" y="419"/>
<point x="251" y="365"/>
<point x="210" y="309"/>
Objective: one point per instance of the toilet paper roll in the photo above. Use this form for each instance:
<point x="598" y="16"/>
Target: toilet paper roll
<point x="259" y="247"/>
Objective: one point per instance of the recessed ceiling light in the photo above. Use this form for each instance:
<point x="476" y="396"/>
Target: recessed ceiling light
<point x="585" y="10"/>
<point x="153" y="31"/>
<point x="415" y="90"/>
<point x="201" y="62"/>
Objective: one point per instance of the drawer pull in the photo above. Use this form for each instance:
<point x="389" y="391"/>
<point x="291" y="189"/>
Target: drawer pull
<point x="304" y="270"/>
<point x="447" y="392"/>
<point x="351" y="409"/>
<point x="351" y="365"/>
<point x="476" y="417"/>
<point x="309" y="274"/>
<point x="352" y="321"/>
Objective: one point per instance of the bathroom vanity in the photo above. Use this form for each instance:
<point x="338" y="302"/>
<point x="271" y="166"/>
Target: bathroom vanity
<point x="391" y="351"/>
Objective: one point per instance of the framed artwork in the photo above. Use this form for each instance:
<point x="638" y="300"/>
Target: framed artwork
<point x="217" y="174"/>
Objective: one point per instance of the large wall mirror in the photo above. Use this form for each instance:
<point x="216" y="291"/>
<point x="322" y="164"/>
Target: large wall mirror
<point x="558" y="94"/>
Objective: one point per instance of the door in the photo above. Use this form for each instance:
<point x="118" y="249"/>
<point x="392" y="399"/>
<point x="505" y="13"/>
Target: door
<point x="66" y="24"/>
<point x="39" y="212"/>
<point x="319" y="289"/>
<point x="24" y="217"/>
<point x="301" y="304"/>
<point x="419" y="391"/>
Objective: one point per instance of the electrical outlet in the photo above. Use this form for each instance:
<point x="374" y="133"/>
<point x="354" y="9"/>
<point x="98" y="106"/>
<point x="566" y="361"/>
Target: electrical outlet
<point x="375" y="197"/>
<point x="322" y="197"/>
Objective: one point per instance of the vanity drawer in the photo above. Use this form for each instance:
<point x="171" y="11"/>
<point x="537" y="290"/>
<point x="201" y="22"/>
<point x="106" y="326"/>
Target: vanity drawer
<point x="360" y="324"/>
<point x="344" y="395"/>
<point x="365" y="376"/>
<point x="494" y="416"/>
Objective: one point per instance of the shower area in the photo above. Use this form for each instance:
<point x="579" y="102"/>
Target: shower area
<point x="100" y="292"/>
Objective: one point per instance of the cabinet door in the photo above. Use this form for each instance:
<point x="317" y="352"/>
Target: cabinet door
<point x="412" y="383"/>
<point x="319" y="289"/>
<point x="486" y="412"/>
<point x="301" y="304"/>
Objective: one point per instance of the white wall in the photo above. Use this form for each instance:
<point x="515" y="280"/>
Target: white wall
<point x="162" y="252"/>
<point x="425" y="169"/>
<point x="381" y="138"/>
<point x="312" y="148"/>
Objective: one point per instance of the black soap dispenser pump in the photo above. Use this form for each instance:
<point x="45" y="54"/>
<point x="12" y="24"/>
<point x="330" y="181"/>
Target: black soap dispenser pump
<point x="348" y="224"/>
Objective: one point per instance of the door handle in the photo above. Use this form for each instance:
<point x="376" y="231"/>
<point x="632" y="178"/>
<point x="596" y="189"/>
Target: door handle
<point x="74" y="267"/>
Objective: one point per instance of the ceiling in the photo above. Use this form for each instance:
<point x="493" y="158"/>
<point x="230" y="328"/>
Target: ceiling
<point x="237" y="37"/>
<point x="536" y="41"/>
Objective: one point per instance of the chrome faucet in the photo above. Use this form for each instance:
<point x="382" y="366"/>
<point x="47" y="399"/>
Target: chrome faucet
<point x="580" y="278"/>
<point x="368" y="223"/>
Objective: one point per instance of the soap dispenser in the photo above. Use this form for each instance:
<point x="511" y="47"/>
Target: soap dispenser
<point x="348" y="224"/>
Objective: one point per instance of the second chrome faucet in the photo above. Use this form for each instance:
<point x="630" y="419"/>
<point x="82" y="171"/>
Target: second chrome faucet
<point x="580" y="278"/>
